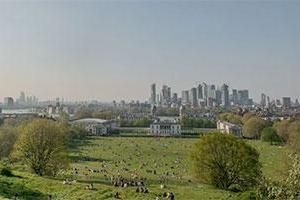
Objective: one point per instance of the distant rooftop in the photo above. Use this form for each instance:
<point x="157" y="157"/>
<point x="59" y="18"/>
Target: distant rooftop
<point x="90" y="120"/>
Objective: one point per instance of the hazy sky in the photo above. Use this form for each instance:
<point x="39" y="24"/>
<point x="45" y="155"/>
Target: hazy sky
<point x="114" y="50"/>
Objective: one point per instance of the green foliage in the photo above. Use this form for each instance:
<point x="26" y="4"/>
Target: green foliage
<point x="230" y="117"/>
<point x="197" y="123"/>
<point x="253" y="127"/>
<point x="8" y="136"/>
<point x="226" y="162"/>
<point x="144" y="122"/>
<point x="269" y="134"/>
<point x="170" y="112"/>
<point x="281" y="128"/>
<point x="248" y="116"/>
<point x="42" y="146"/>
<point x="103" y="115"/>
<point x="289" y="189"/>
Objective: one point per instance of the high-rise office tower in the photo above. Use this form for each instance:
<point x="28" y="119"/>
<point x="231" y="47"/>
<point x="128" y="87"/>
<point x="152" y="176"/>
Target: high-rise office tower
<point x="235" y="97"/>
<point x="218" y="97"/>
<point x="286" y="102"/>
<point x="193" y="97"/>
<point x="185" y="97"/>
<point x="200" y="91"/>
<point x="225" y="96"/>
<point x="153" y="94"/>
<point x="263" y="101"/>
<point x="243" y="97"/>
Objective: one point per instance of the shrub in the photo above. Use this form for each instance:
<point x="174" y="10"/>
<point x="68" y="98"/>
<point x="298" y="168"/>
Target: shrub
<point x="226" y="162"/>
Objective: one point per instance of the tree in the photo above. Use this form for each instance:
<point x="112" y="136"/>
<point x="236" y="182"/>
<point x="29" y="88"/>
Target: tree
<point x="248" y="116"/>
<point x="269" y="134"/>
<point x="230" y="117"/>
<point x="41" y="144"/>
<point x="8" y="135"/>
<point x="226" y="162"/>
<point x="253" y="127"/>
<point x="282" y="129"/>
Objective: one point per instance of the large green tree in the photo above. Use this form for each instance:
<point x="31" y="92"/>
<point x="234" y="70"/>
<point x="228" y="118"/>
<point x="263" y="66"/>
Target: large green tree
<point x="282" y="129"/>
<point x="253" y="127"/>
<point x="226" y="162"/>
<point x="42" y="145"/>
<point x="269" y="134"/>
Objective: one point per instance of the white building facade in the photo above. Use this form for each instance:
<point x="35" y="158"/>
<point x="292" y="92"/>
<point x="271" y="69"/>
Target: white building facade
<point x="229" y="128"/>
<point x="165" y="126"/>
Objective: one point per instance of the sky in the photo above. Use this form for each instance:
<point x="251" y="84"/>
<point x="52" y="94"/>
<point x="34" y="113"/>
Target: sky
<point x="113" y="50"/>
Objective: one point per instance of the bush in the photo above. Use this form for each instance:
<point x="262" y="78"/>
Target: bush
<point x="226" y="162"/>
<point x="269" y="134"/>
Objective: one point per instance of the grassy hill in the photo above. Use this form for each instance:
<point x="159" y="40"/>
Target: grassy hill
<point x="158" y="160"/>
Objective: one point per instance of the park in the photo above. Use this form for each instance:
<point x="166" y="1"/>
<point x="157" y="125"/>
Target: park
<point x="162" y="165"/>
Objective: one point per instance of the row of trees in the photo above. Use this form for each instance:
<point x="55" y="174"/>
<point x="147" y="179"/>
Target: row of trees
<point x="256" y="128"/>
<point x="197" y="123"/>
<point x="144" y="122"/>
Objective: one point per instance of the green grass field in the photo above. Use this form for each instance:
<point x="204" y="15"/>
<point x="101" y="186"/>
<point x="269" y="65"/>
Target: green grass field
<point x="158" y="160"/>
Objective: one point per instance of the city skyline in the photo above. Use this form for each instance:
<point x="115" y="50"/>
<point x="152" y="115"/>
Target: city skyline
<point x="112" y="51"/>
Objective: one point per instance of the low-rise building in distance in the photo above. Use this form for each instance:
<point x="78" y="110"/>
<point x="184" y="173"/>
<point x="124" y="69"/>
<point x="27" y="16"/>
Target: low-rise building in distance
<point x="165" y="126"/>
<point x="96" y="126"/>
<point x="229" y="128"/>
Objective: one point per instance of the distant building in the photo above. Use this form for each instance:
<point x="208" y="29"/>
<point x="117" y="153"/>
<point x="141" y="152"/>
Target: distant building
<point x="8" y="101"/>
<point x="153" y="94"/>
<point x="286" y="102"/>
<point x="165" y="126"/>
<point x="235" y="97"/>
<point x="193" y="97"/>
<point x="175" y="98"/>
<point x="185" y="97"/>
<point x="225" y="96"/>
<point x="200" y="91"/>
<point x="96" y="126"/>
<point x="229" y="128"/>
<point x="243" y="97"/>
<point x="263" y="101"/>
<point x="218" y="97"/>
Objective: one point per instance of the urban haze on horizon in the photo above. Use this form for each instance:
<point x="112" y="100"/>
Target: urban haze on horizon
<point x="112" y="51"/>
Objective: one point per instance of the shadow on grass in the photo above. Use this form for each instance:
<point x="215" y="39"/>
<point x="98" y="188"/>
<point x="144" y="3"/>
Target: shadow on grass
<point x="12" y="190"/>
<point x="79" y="158"/>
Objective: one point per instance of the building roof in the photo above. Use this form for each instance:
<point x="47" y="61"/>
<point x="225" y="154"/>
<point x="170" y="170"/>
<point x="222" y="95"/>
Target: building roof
<point x="91" y="120"/>
<point x="229" y="124"/>
<point x="166" y="120"/>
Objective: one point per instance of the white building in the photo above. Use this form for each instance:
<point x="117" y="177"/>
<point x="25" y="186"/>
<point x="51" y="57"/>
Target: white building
<point x="96" y="126"/>
<point x="229" y="128"/>
<point x="165" y="126"/>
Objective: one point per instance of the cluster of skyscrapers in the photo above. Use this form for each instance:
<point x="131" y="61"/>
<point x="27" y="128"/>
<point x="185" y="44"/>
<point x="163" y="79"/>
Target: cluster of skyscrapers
<point x="202" y="96"/>
<point x="23" y="100"/>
